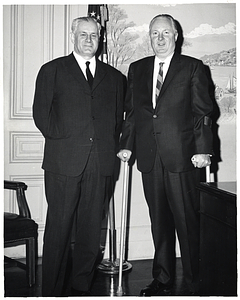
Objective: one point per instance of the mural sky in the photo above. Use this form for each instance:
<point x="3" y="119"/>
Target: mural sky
<point x="209" y="27"/>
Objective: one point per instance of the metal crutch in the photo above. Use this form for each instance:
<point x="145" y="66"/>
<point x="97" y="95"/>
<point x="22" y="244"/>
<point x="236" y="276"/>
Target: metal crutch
<point x="111" y="266"/>
<point x="123" y="224"/>
<point x="208" y="174"/>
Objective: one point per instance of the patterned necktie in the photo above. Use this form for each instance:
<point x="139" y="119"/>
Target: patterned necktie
<point x="159" y="80"/>
<point x="89" y="74"/>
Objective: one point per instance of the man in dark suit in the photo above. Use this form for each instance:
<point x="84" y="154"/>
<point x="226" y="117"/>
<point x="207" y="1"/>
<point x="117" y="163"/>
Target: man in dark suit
<point x="168" y="109"/>
<point x="80" y="119"/>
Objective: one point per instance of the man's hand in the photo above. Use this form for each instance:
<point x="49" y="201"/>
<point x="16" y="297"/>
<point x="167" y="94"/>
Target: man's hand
<point x="201" y="160"/>
<point x="124" y="154"/>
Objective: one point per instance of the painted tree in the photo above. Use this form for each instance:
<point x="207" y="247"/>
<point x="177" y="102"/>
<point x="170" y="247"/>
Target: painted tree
<point x="145" y="48"/>
<point x="227" y="104"/>
<point x="120" y="39"/>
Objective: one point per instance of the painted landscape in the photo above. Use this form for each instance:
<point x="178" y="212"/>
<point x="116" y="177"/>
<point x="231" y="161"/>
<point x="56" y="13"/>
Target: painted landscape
<point x="128" y="40"/>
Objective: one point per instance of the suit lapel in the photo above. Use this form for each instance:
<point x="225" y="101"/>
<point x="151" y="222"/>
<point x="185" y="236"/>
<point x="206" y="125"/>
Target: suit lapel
<point x="77" y="73"/>
<point x="74" y="69"/>
<point x="99" y="74"/>
<point x="174" y="68"/>
<point x="149" y="75"/>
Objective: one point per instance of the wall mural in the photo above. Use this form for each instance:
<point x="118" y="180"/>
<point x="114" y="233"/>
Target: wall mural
<point x="209" y="32"/>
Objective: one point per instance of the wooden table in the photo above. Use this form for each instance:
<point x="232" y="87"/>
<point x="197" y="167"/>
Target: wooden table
<point x="218" y="239"/>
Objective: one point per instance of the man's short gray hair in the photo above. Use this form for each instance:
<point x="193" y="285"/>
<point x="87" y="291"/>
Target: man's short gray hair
<point x="78" y="20"/>
<point x="170" y="18"/>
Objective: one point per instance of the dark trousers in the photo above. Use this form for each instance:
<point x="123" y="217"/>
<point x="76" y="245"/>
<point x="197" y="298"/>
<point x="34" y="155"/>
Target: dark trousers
<point x="173" y="203"/>
<point x="80" y="198"/>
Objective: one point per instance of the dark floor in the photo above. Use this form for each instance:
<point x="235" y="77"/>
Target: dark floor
<point x="104" y="285"/>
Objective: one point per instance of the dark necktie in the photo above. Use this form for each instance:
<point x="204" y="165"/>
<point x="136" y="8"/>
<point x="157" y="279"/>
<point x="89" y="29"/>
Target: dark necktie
<point x="159" y="80"/>
<point x="89" y="74"/>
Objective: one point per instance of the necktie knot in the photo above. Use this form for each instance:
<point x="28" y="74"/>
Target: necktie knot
<point x="89" y="74"/>
<point x="161" y="68"/>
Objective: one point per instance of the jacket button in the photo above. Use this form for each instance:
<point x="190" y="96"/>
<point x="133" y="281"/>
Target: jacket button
<point x="154" y="116"/>
<point x="91" y="139"/>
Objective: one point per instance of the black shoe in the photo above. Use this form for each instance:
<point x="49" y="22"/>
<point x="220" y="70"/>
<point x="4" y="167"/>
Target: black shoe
<point x="75" y="292"/>
<point x="156" y="288"/>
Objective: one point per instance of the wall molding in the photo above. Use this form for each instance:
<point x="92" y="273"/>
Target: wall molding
<point x="17" y="109"/>
<point x="67" y="25"/>
<point x="26" y="147"/>
<point x="19" y="106"/>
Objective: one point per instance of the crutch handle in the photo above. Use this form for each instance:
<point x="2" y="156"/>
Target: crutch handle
<point x="208" y="174"/>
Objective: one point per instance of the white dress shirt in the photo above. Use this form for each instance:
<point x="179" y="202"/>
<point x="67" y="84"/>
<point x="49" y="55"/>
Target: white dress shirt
<point x="155" y="74"/>
<point x="82" y="63"/>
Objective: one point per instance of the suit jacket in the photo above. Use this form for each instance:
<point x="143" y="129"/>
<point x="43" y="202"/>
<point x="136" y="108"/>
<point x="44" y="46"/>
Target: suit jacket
<point x="72" y="117"/>
<point x="179" y="125"/>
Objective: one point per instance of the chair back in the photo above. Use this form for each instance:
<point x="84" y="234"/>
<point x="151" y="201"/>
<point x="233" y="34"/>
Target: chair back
<point x="20" y="188"/>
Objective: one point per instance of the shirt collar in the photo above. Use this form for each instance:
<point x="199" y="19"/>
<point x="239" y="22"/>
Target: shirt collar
<point x="166" y="60"/>
<point x="82" y="62"/>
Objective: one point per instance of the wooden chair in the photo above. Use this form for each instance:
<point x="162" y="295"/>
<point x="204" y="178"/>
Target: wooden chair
<point x="20" y="229"/>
